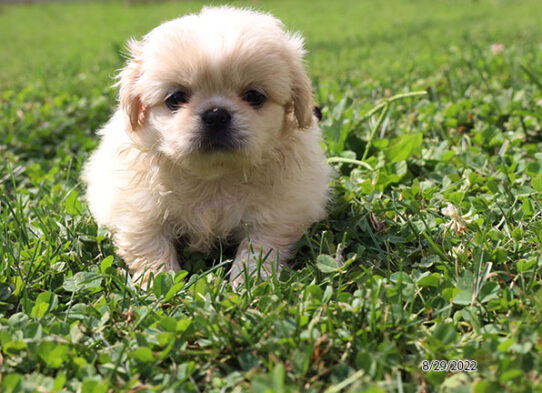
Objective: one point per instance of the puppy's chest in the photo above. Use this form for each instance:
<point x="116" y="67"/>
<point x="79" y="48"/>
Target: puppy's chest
<point x="210" y="210"/>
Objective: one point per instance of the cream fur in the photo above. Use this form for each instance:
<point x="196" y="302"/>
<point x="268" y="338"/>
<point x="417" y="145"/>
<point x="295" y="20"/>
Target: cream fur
<point x="149" y="184"/>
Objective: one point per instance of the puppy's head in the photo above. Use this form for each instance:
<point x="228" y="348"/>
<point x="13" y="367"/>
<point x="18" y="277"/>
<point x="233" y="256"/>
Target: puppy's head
<point x="224" y="84"/>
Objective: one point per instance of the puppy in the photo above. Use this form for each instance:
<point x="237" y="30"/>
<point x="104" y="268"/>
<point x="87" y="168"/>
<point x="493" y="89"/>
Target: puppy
<point x="214" y="140"/>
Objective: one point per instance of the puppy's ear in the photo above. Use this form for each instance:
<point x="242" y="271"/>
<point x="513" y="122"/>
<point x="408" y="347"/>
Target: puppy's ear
<point x="130" y="102"/>
<point x="301" y="85"/>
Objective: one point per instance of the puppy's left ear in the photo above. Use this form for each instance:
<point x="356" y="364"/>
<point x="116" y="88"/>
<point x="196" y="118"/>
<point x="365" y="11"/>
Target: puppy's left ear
<point x="301" y="85"/>
<point x="130" y="102"/>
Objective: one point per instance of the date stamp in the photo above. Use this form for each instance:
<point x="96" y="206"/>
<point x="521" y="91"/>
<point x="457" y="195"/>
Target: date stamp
<point x="454" y="366"/>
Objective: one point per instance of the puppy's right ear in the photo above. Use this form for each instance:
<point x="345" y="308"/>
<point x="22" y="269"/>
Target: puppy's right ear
<point x="130" y="102"/>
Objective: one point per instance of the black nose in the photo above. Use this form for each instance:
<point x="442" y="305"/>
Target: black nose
<point x="216" y="119"/>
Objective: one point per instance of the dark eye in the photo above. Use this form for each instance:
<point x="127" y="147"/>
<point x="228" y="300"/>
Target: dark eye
<point x="254" y="98"/>
<point x="175" y="100"/>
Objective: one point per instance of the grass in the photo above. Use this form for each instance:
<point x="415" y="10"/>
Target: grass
<point x="432" y="248"/>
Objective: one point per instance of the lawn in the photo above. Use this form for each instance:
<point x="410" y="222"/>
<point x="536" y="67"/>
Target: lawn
<point x="431" y="250"/>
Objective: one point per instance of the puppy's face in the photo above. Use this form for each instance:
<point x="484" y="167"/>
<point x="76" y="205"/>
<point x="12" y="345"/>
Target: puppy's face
<point x="221" y="85"/>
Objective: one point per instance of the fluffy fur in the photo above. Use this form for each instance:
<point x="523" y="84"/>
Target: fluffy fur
<point x="151" y="184"/>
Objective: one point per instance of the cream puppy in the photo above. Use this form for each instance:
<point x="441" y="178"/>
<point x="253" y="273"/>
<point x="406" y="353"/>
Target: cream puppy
<point x="214" y="140"/>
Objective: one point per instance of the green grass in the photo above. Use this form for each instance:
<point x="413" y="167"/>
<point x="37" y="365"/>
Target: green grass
<point x="385" y="282"/>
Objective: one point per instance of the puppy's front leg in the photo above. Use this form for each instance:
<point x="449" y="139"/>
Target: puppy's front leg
<point x="271" y="250"/>
<point x="145" y="251"/>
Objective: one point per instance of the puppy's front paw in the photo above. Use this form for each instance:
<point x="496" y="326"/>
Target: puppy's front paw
<point x="146" y="253"/>
<point x="247" y="264"/>
<point x="142" y="277"/>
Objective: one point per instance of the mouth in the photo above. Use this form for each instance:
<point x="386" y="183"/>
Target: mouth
<point x="224" y="142"/>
